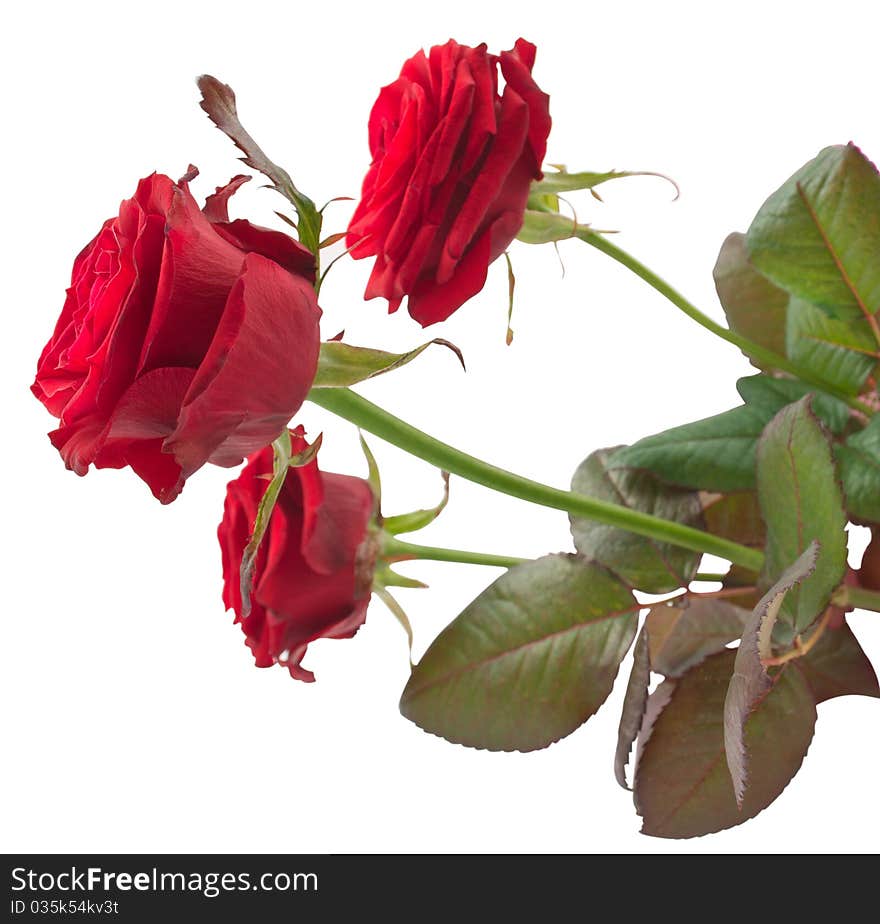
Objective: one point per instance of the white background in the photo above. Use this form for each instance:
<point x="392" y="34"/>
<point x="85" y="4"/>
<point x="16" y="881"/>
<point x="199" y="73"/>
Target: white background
<point x="133" y="719"/>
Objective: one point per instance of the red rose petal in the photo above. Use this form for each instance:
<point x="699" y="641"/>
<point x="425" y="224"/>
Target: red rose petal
<point x="216" y="207"/>
<point x="503" y="154"/>
<point x="275" y="245"/>
<point x="149" y="462"/>
<point x="517" y="67"/>
<point x="199" y="268"/>
<point x="257" y="371"/>
<point x="483" y="122"/>
<point x="150" y="406"/>
<point x="339" y="528"/>
<point x="431" y="302"/>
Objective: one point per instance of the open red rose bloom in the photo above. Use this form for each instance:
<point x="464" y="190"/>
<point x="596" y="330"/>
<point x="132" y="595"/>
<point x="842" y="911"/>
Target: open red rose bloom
<point x="185" y="338"/>
<point x="314" y="570"/>
<point x="452" y="164"/>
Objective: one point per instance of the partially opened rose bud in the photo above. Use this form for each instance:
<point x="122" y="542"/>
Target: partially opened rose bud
<point x="185" y="338"/>
<point x="452" y="164"/>
<point x="314" y="570"/>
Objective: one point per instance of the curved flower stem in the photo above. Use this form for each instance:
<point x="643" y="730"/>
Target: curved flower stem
<point x="860" y="597"/>
<point x="366" y="415"/>
<point x="396" y="550"/>
<point x="750" y="348"/>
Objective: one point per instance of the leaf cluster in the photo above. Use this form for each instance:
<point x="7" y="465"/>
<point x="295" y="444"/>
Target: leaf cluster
<point x="536" y="654"/>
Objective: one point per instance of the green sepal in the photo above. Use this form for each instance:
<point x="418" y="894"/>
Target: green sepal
<point x="543" y="227"/>
<point x="384" y="576"/>
<point x="561" y="181"/>
<point x="399" y="614"/>
<point x="373" y="477"/>
<point x="284" y="459"/>
<point x="341" y="365"/>
<point x="417" y="519"/>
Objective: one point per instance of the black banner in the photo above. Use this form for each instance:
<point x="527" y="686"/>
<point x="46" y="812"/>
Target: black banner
<point x="162" y="888"/>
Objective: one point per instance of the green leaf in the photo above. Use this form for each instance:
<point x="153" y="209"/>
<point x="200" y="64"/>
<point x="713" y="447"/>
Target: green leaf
<point x="818" y="235"/>
<point x="837" y="666"/>
<point x="634" y="702"/>
<point x="718" y="453"/>
<point x="835" y="352"/>
<point x="529" y="660"/>
<point x="801" y="501"/>
<point x="418" y="519"/>
<point x="750" y="681"/>
<point x="715" y="454"/>
<point x="771" y="395"/>
<point x="682" y="785"/>
<point x="341" y="365"/>
<point x="754" y="307"/>
<point x="858" y="461"/>
<point x="683" y="635"/>
<point x="650" y="566"/>
<point x="218" y="101"/>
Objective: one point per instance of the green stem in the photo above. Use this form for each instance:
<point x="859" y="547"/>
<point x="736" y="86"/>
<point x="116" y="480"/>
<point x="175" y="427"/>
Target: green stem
<point x="707" y="577"/>
<point x="373" y="419"/>
<point x="753" y="350"/>
<point x="397" y="550"/>
<point x="858" y="596"/>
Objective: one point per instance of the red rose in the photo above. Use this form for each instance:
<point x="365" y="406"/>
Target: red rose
<point x="452" y="165"/>
<point x="185" y="338"/>
<point x="314" y="569"/>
